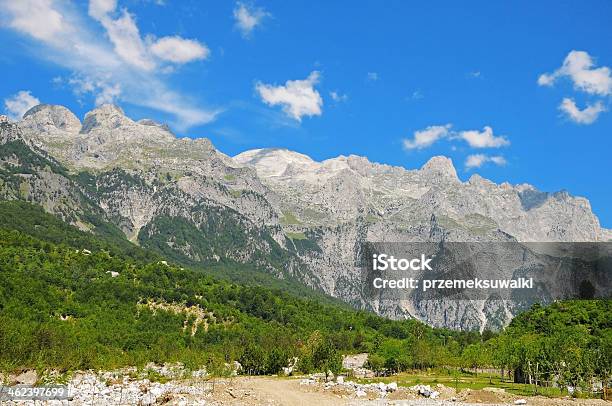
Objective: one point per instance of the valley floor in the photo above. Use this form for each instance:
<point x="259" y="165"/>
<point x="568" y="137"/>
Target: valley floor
<point x="272" y="391"/>
<point x="280" y="391"/>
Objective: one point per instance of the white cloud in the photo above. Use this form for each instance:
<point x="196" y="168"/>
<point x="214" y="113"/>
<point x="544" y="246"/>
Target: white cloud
<point x="104" y="92"/>
<point x="477" y="160"/>
<point x="188" y="113"/>
<point x="130" y="46"/>
<point x="125" y="36"/>
<point x="338" y="97"/>
<point x="373" y="76"/>
<point x="546" y="79"/>
<point x="248" y="17"/>
<point x="108" y="94"/>
<point x="498" y="160"/>
<point x="588" y="115"/>
<point x="19" y="103"/>
<point x="298" y="97"/>
<point x="427" y="137"/>
<point x="179" y="50"/>
<point x="483" y="139"/>
<point x="37" y="18"/>
<point x="417" y="95"/>
<point x="100" y="8"/>
<point x="580" y="68"/>
<point x="475" y="139"/>
<point x="120" y="67"/>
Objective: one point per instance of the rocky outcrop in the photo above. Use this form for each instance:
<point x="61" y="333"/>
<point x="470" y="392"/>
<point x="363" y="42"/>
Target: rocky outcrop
<point x="51" y="120"/>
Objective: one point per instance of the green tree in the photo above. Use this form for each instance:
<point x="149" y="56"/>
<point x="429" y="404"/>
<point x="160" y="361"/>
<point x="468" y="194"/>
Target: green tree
<point x="253" y="359"/>
<point x="376" y="363"/>
<point x="326" y="358"/>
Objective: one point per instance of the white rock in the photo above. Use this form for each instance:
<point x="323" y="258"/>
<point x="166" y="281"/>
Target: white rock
<point x="27" y="378"/>
<point x="157" y="391"/>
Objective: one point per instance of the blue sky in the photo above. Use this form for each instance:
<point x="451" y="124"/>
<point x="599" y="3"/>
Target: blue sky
<point x="516" y="91"/>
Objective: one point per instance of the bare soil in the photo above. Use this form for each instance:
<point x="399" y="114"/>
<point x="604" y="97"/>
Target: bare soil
<point x="288" y="391"/>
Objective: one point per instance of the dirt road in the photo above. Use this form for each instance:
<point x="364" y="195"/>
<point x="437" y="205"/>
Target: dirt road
<point x="273" y="391"/>
<point x="289" y="392"/>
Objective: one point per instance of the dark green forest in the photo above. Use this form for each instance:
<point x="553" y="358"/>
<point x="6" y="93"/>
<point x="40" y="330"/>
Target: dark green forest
<point x="74" y="300"/>
<point x="60" y="307"/>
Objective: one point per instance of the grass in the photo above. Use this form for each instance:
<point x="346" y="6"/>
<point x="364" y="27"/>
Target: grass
<point x="155" y="376"/>
<point x="289" y="219"/>
<point x="296" y="236"/>
<point x="371" y="219"/>
<point x="466" y="381"/>
<point x="313" y="214"/>
<point x="236" y="193"/>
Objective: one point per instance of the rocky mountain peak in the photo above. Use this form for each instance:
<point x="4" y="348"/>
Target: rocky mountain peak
<point x="107" y="117"/>
<point x="153" y="123"/>
<point x="477" y="180"/>
<point x="49" y="118"/>
<point x="440" y="166"/>
<point x="359" y="164"/>
<point x="276" y="161"/>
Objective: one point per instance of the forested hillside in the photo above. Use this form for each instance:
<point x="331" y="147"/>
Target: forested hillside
<point x="33" y="220"/>
<point x="568" y="342"/>
<point x="71" y="300"/>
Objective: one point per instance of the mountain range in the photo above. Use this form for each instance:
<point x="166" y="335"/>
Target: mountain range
<point x="279" y="210"/>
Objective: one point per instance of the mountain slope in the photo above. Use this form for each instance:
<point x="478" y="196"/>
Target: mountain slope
<point x="64" y="308"/>
<point x="132" y="199"/>
<point x="282" y="211"/>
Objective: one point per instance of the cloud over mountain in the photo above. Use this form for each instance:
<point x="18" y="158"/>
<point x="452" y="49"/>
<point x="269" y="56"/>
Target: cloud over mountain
<point x="248" y="18"/>
<point x="483" y="139"/>
<point x="477" y="160"/>
<point x="475" y="139"/>
<point x="427" y="137"/>
<point x="580" y="68"/>
<point x="587" y="115"/>
<point x="111" y="67"/>
<point x="17" y="104"/>
<point x="298" y="98"/>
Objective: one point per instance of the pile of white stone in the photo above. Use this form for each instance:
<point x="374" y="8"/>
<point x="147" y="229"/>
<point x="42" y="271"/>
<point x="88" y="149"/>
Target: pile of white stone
<point x="425" y="390"/>
<point x="308" y="381"/>
<point x="129" y="386"/>
<point x="381" y="389"/>
<point x="91" y="389"/>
